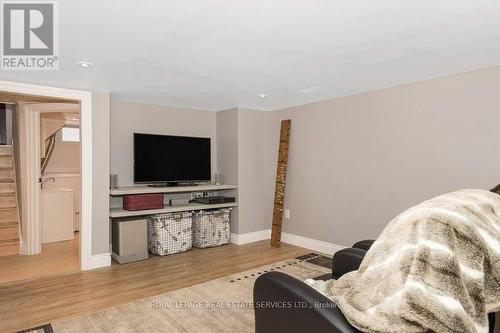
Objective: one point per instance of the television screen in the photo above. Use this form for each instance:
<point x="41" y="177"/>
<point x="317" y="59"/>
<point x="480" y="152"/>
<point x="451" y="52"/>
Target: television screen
<point x="166" y="158"/>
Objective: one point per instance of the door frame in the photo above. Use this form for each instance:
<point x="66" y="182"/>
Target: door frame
<point x="85" y="99"/>
<point x="33" y="229"/>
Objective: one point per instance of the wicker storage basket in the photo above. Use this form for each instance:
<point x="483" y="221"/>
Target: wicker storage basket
<point x="170" y="233"/>
<point x="211" y="228"/>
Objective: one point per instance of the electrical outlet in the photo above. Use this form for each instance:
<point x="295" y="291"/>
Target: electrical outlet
<point x="287" y="214"/>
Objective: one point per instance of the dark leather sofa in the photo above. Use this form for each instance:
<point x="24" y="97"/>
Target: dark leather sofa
<point x="302" y="308"/>
<point x="284" y="304"/>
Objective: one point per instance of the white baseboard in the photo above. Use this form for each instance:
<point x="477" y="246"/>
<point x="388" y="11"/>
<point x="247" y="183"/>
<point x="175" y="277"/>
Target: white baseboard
<point x="311" y="244"/>
<point x="308" y="243"/>
<point x="250" y="237"/>
<point x="97" y="261"/>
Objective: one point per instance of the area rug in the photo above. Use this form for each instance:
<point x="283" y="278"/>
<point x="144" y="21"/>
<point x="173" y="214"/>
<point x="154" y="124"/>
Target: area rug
<point x="221" y="305"/>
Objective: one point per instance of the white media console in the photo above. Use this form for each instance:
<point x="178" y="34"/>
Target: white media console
<point x="129" y="228"/>
<point x="119" y="212"/>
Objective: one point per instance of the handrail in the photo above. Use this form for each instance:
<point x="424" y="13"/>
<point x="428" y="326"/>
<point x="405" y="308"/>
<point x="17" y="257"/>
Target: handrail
<point x="18" y="213"/>
<point x="48" y="152"/>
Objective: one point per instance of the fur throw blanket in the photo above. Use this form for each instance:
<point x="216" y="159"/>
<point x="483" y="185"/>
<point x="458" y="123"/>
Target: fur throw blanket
<point x="435" y="267"/>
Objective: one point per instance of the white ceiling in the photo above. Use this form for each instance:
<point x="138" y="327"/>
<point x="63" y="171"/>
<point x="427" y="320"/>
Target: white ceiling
<point x="219" y="54"/>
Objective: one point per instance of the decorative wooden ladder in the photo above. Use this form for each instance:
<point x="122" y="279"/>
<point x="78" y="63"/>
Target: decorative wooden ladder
<point x="279" y="193"/>
<point x="9" y="225"/>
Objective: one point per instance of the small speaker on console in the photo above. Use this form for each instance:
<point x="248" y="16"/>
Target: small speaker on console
<point x="178" y="202"/>
<point x="113" y="181"/>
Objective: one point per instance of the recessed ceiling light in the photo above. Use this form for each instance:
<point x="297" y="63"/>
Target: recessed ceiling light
<point x="262" y="95"/>
<point x="310" y="90"/>
<point x="84" y="64"/>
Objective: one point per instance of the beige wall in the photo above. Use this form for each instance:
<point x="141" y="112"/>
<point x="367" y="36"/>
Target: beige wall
<point x="256" y="170"/>
<point x="227" y="155"/>
<point x="65" y="157"/>
<point x="227" y="145"/>
<point x="245" y="158"/>
<point x="127" y="118"/>
<point x="100" y="172"/>
<point x="356" y="162"/>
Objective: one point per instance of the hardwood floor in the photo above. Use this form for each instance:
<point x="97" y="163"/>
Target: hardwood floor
<point x="56" y="258"/>
<point x="36" y="302"/>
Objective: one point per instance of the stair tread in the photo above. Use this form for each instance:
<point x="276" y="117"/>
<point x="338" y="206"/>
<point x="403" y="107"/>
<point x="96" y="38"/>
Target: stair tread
<point x="8" y="224"/>
<point x="9" y="241"/>
<point x="8" y="210"/>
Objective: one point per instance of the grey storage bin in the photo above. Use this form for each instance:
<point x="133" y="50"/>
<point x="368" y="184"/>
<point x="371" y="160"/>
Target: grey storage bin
<point x="211" y="228"/>
<point x="170" y="233"/>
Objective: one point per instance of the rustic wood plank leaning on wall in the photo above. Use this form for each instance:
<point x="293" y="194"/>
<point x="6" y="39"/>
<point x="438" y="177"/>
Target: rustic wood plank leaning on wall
<point x="279" y="192"/>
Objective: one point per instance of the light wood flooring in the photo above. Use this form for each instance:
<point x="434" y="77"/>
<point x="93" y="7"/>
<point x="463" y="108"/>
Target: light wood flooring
<point x="36" y="302"/>
<point x="55" y="258"/>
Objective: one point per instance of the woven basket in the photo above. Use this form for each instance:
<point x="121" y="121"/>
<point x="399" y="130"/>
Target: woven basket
<point x="170" y="233"/>
<point x="211" y="228"/>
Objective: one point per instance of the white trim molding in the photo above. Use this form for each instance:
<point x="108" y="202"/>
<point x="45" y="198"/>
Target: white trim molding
<point x="87" y="260"/>
<point x="98" y="261"/>
<point x="29" y="128"/>
<point x="307" y="243"/>
<point x="240" y="239"/>
<point x="311" y="244"/>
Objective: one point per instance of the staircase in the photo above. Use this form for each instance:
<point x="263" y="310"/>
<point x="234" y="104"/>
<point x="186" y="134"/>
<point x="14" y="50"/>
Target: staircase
<point x="9" y="225"/>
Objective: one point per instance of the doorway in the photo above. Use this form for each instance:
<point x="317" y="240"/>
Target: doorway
<point x="44" y="203"/>
<point x="36" y="254"/>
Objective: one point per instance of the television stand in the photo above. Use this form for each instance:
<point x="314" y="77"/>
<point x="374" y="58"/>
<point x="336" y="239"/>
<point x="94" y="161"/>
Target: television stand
<point x="119" y="212"/>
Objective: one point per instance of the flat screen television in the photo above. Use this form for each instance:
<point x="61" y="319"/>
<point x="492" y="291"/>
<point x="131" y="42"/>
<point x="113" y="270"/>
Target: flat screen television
<point x="171" y="159"/>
